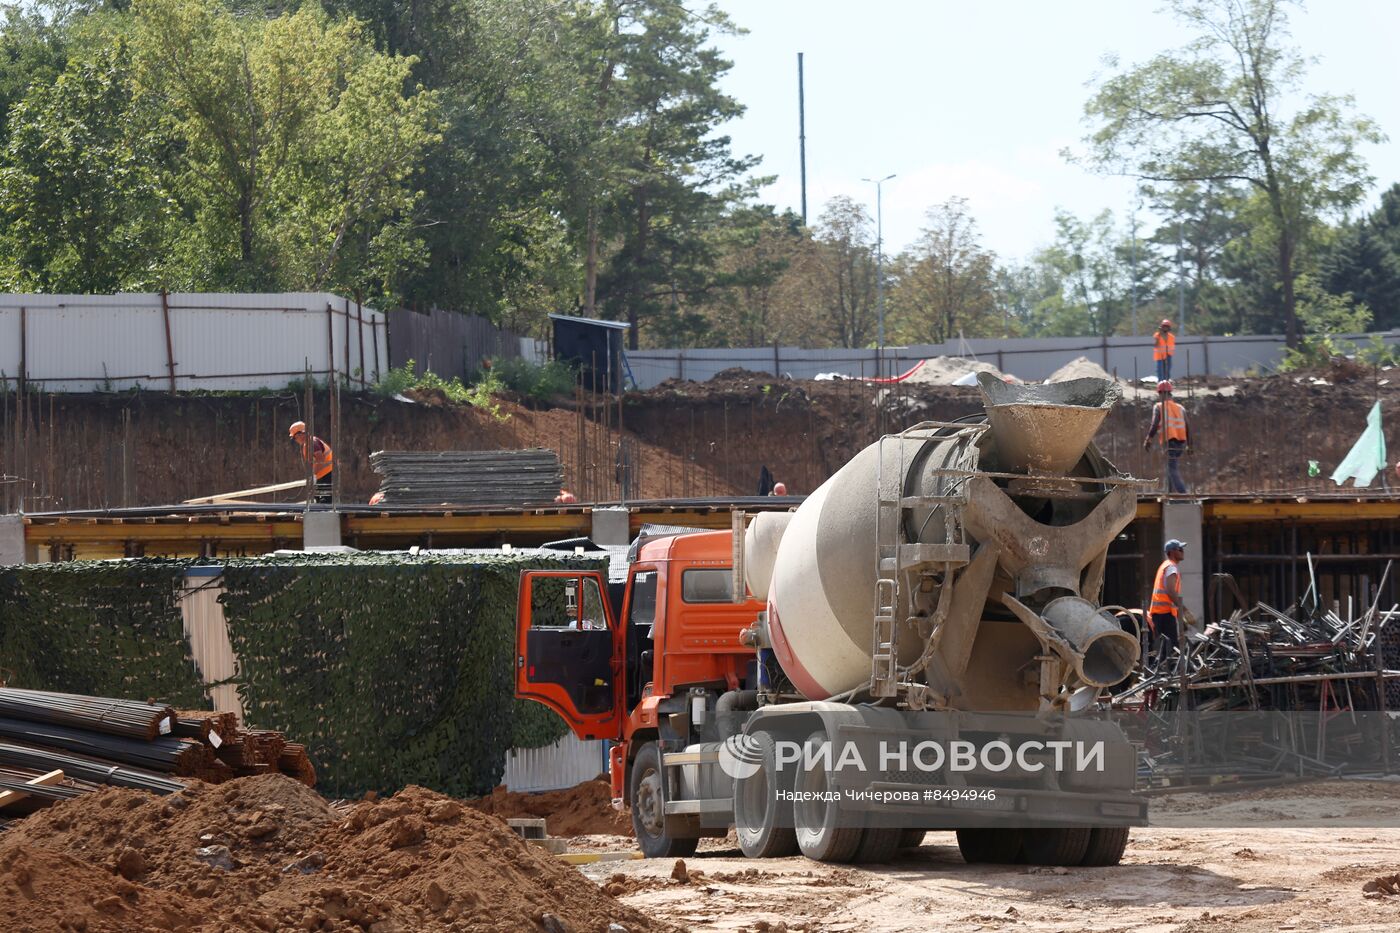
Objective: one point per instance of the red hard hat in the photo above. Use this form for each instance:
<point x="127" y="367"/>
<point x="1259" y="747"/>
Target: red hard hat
<point x="1164" y="386"/>
<point x="1166" y="323"/>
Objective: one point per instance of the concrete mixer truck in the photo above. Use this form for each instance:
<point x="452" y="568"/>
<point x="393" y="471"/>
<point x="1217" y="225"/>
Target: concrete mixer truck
<point x="814" y="679"/>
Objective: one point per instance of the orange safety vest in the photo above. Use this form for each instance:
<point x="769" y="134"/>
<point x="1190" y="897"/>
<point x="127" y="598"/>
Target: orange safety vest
<point x="1173" y="421"/>
<point x="1164" y="345"/>
<point x="323" y="460"/>
<point x="1161" y="599"/>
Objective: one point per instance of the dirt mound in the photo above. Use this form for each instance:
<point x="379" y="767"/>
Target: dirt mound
<point x="947" y="370"/>
<point x="186" y="842"/>
<point x="579" y="811"/>
<point x="1079" y="368"/>
<point x="267" y="853"/>
<point x="42" y="890"/>
<point x="422" y="861"/>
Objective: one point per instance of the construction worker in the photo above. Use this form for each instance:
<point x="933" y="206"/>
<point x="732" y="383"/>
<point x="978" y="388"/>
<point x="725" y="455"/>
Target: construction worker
<point x="1164" y="612"/>
<point x="1170" y="418"/>
<point x="1163" y="349"/>
<point x="319" y="454"/>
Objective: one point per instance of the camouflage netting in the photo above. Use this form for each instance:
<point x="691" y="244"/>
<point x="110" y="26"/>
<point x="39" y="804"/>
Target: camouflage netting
<point x="392" y="669"/>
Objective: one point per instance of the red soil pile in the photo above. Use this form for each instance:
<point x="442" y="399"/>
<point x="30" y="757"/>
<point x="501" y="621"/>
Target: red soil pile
<point x="579" y="811"/>
<point x="42" y="890"/>
<point x="267" y="853"/>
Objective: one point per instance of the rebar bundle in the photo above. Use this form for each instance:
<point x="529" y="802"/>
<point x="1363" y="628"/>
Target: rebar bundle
<point x="468" y="477"/>
<point x="210" y="746"/>
<point x="166" y="754"/>
<point x="130" y="718"/>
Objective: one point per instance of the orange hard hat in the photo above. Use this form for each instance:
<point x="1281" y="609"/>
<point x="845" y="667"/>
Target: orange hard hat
<point x="1166" y="323"/>
<point x="298" y="427"/>
<point x="1164" y="386"/>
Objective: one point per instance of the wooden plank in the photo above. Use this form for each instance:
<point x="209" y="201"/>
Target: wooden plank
<point x="44" y="780"/>
<point x="241" y="493"/>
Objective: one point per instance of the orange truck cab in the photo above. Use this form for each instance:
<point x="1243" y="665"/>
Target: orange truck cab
<point x="645" y="664"/>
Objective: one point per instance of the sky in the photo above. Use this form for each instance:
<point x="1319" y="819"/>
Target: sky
<point x="977" y="98"/>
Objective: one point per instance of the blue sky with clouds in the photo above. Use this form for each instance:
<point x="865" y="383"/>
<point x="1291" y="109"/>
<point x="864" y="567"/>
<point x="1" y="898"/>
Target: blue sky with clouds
<point x="978" y="97"/>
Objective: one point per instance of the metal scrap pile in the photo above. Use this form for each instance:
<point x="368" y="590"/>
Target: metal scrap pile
<point x="468" y="477"/>
<point x="59" y="745"/>
<point x="1264" y="696"/>
<point x="1264" y="659"/>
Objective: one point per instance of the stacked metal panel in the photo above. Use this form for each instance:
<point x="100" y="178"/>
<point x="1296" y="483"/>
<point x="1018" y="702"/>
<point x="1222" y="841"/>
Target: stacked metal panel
<point x="469" y="477"/>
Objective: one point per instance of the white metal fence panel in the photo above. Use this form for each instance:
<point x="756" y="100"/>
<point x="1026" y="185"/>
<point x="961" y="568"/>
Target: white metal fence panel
<point x="567" y="762"/>
<point x="1029" y="358"/>
<point x="184" y="341"/>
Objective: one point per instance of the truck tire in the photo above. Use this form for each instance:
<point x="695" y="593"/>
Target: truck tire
<point x="877" y="844"/>
<point x="762" y="822"/>
<point x="911" y="838"/>
<point x="1106" y="846"/>
<point x="1058" y="846"/>
<point x="821" y="833"/>
<point x="990" y="846"/>
<point x="648" y="786"/>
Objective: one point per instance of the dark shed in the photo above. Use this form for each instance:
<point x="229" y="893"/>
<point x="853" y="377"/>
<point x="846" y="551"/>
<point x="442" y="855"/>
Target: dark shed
<point x="594" y="346"/>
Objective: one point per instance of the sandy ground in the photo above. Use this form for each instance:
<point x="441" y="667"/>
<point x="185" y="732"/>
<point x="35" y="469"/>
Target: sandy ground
<point x="1171" y="881"/>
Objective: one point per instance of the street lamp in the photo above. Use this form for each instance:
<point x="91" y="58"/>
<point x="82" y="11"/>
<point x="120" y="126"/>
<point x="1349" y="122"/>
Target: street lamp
<point x="879" y="256"/>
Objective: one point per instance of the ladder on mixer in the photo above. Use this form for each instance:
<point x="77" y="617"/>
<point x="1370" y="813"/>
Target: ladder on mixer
<point x="897" y="557"/>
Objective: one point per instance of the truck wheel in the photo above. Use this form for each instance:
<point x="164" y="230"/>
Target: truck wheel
<point x="877" y="844"/>
<point x="990" y="846"/>
<point x="1059" y="846"/>
<point x="1106" y="845"/>
<point x="820" y="833"/>
<point x="911" y="838"/>
<point x="762" y="821"/>
<point x="649" y="808"/>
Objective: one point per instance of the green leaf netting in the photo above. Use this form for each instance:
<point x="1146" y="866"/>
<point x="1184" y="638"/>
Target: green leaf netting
<point x="109" y="628"/>
<point x="391" y="669"/>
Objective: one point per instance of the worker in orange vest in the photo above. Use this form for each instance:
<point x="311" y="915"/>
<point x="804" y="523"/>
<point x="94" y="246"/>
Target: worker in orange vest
<point x="1169" y="417"/>
<point x="1163" y="349"/>
<point x="1164" y="612"/>
<point x="317" y="453"/>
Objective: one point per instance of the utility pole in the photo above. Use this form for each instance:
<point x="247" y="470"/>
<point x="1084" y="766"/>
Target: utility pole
<point x="802" y="135"/>
<point x="1180" y="285"/>
<point x="1132" y="266"/>
<point x="879" y="257"/>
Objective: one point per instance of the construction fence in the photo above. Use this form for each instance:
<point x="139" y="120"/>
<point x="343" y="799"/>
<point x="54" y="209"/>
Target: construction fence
<point x="185" y="341"/>
<point x="1030" y="358"/>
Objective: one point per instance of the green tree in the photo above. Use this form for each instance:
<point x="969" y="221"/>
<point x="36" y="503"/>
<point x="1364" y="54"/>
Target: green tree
<point x="1202" y="222"/>
<point x="1217" y="110"/>
<point x="33" y="51"/>
<point x="1088" y="271"/>
<point x="844" y="271"/>
<point x="945" y="284"/>
<point x="1365" y="261"/>
<point x="80" y="195"/>
<point x="672" y="175"/>
<point x="301" y="143"/>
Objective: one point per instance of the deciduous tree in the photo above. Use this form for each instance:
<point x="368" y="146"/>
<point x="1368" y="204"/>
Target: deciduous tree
<point x="1221" y="109"/>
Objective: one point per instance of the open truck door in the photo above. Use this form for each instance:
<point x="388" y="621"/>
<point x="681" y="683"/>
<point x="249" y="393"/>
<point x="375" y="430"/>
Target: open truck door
<point x="569" y="650"/>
